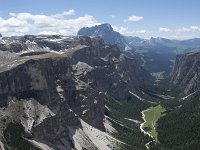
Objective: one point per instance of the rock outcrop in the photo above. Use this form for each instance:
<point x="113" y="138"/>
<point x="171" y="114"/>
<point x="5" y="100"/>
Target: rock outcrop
<point x="58" y="96"/>
<point x="186" y="72"/>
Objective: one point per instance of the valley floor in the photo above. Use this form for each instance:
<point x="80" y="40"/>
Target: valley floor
<point x="151" y="117"/>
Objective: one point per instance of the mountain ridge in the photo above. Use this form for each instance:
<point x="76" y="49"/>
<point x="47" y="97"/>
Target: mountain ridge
<point x="56" y="100"/>
<point x="105" y="30"/>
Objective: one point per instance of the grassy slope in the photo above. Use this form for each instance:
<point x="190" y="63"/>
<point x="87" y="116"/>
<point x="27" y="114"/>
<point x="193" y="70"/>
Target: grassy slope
<point x="151" y="117"/>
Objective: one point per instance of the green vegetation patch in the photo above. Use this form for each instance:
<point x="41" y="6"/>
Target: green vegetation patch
<point x="179" y="129"/>
<point x="127" y="131"/>
<point x="151" y="116"/>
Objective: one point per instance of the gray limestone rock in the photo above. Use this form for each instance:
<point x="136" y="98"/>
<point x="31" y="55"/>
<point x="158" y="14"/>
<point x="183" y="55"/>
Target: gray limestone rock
<point x="186" y="72"/>
<point x="52" y="94"/>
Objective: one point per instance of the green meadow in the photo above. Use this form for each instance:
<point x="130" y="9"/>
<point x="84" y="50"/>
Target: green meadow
<point x="151" y="116"/>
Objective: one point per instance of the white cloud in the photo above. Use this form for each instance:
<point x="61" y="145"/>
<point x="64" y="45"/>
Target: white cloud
<point x="47" y="33"/>
<point x="134" y="18"/>
<point x="180" y="37"/>
<point x="172" y="33"/>
<point x="162" y="29"/>
<point x="65" y="13"/>
<point x="123" y="30"/>
<point x="128" y="32"/>
<point x="189" y="29"/>
<point x="69" y="12"/>
<point x="113" y="16"/>
<point x="27" y="23"/>
<point x="141" y="31"/>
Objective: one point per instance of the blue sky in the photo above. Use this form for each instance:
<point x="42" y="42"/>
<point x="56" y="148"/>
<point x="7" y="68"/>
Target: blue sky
<point x="144" y="18"/>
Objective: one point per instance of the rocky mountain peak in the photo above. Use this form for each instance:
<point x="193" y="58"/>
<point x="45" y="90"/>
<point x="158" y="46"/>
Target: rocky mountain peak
<point x="106" y="32"/>
<point x="96" y="30"/>
<point x="105" y="27"/>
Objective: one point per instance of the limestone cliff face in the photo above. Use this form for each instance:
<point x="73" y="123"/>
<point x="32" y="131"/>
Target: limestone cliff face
<point x="186" y="72"/>
<point x="53" y="94"/>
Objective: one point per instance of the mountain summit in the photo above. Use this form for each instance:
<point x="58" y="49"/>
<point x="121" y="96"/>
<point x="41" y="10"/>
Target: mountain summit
<point x="106" y="32"/>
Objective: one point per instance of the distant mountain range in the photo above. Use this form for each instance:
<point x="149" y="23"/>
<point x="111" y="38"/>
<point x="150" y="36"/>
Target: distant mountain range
<point x="151" y="51"/>
<point x="106" y="32"/>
